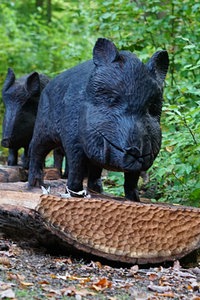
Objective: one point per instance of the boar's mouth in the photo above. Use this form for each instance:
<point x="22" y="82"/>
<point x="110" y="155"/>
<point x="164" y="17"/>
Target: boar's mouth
<point x="131" y="151"/>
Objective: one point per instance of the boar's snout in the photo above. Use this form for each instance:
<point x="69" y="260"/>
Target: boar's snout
<point x="133" y="151"/>
<point x="133" y="158"/>
<point x="5" y="143"/>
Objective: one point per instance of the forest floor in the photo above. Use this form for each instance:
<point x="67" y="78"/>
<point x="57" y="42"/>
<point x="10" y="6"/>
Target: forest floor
<point x="31" y="273"/>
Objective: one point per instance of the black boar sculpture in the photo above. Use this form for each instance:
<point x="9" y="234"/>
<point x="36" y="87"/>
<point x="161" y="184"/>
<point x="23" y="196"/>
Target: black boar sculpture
<point x="20" y="97"/>
<point x="106" y="114"/>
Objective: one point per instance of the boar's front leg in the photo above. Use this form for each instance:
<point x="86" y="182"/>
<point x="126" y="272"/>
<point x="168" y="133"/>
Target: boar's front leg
<point x="38" y="150"/>
<point x="12" y="157"/>
<point x="35" y="174"/>
<point x="77" y="166"/>
<point x="35" y="177"/>
<point x="130" y="186"/>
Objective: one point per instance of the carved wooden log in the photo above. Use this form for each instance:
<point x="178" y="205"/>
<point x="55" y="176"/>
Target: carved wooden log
<point x="123" y="231"/>
<point x="116" y="230"/>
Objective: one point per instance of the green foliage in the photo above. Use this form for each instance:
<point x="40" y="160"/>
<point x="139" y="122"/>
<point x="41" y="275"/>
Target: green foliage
<point x="178" y="178"/>
<point x="114" y="184"/>
<point x="30" y="42"/>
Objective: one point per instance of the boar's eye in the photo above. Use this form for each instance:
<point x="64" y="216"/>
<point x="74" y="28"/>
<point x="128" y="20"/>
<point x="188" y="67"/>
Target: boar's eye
<point x="114" y="99"/>
<point x="105" y="95"/>
<point x="155" y="106"/>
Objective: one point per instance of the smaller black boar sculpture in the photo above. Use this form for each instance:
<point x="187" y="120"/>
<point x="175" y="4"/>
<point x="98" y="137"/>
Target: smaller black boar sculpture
<point x="106" y="114"/>
<point x="21" y="98"/>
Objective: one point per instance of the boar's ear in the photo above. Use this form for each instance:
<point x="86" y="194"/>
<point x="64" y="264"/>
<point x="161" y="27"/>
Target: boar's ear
<point x="10" y="79"/>
<point x="32" y="84"/>
<point x="158" y="65"/>
<point x="104" y="52"/>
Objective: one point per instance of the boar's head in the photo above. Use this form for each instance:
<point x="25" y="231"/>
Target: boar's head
<point x="120" y="122"/>
<point x="20" y="98"/>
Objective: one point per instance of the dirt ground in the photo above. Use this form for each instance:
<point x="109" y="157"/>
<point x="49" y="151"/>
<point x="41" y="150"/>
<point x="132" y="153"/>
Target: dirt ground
<point x="27" y="273"/>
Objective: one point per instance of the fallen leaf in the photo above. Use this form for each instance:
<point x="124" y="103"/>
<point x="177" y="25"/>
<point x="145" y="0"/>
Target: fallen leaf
<point x="195" y="286"/>
<point x="189" y="288"/>
<point x="15" y="250"/>
<point x="138" y="277"/>
<point x="163" y="282"/>
<point x="159" y="269"/>
<point x="85" y="280"/>
<point x="107" y="268"/>
<point x="169" y="149"/>
<point x="69" y="292"/>
<point x="5" y="261"/>
<point x="98" y="265"/>
<point x="134" y="269"/>
<point x="53" y="276"/>
<point x="12" y="276"/>
<point x="26" y="284"/>
<point x="196" y="270"/>
<point x="103" y="283"/>
<point x="153" y="276"/>
<point x="43" y="282"/>
<point x="61" y="277"/>
<point x="63" y="260"/>
<point x="72" y="277"/>
<point x="138" y="294"/>
<point x="84" y="292"/>
<point x="176" y="265"/>
<point x="185" y="274"/>
<point x="159" y="289"/>
<point x="168" y="295"/>
<point x="7" y="294"/>
<point x="96" y="288"/>
<point x="51" y="292"/>
<point x="69" y="261"/>
<point x="5" y="285"/>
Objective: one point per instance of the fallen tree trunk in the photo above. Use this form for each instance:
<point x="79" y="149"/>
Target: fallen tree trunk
<point x="18" y="173"/>
<point x="116" y="230"/>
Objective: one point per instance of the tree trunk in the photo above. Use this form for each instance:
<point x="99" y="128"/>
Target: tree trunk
<point x="48" y="11"/>
<point x="39" y="3"/>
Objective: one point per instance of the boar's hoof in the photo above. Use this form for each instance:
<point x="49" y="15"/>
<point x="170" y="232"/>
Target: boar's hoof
<point x="12" y="161"/>
<point x="35" y="182"/>
<point x="133" y="195"/>
<point x="95" y="186"/>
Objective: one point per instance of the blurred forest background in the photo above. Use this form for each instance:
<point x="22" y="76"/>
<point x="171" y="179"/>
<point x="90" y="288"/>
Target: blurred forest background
<point x="50" y="36"/>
